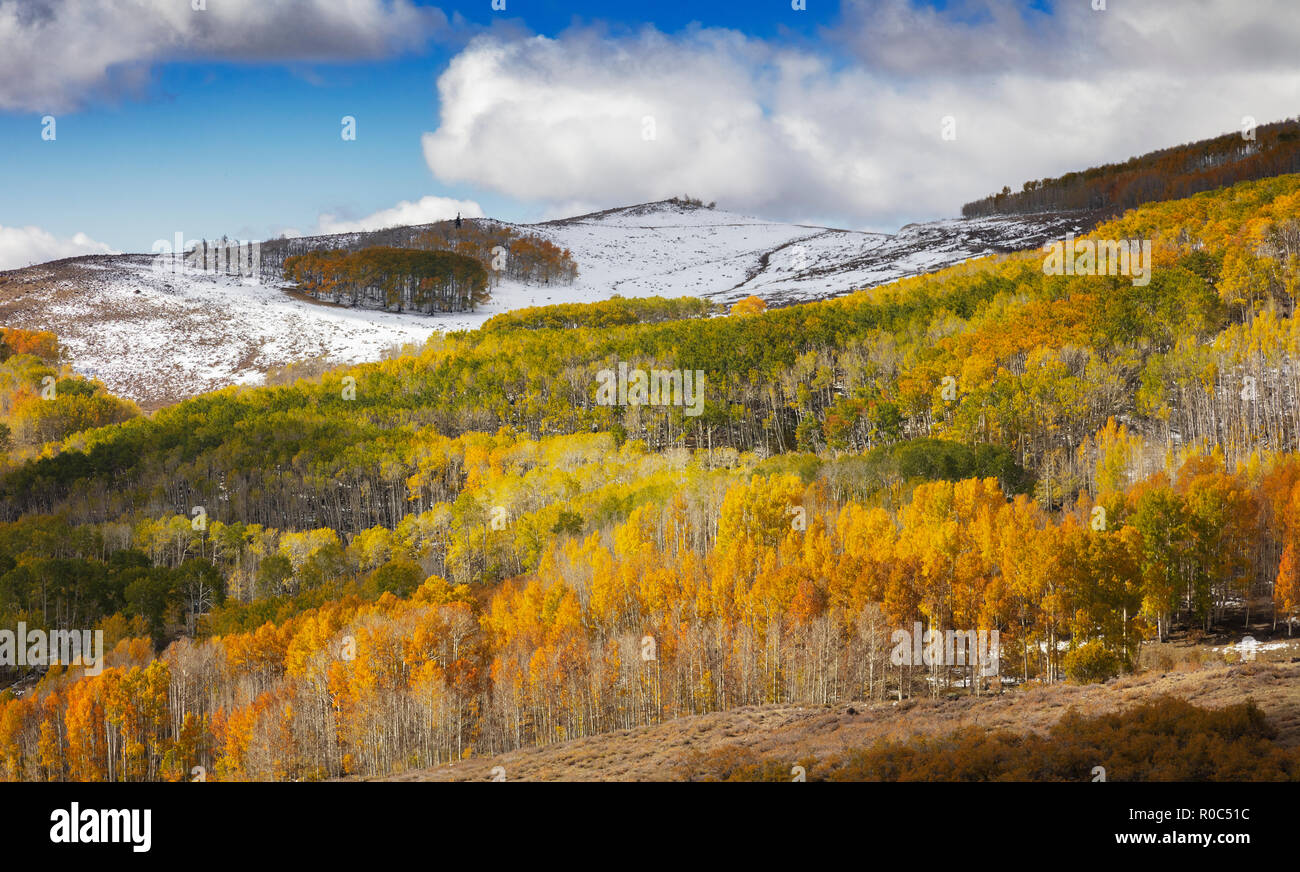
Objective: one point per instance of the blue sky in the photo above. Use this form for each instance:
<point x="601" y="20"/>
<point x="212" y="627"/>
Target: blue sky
<point x="210" y="122"/>
<point x="249" y="149"/>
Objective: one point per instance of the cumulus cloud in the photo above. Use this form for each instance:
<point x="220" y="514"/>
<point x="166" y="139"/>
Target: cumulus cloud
<point x="58" y="53"/>
<point x="853" y="135"/>
<point x="23" y="246"/>
<point x="587" y="118"/>
<point x="425" y="210"/>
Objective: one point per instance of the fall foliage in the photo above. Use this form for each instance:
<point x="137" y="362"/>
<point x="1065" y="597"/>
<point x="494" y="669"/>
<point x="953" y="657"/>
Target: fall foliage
<point x="457" y="551"/>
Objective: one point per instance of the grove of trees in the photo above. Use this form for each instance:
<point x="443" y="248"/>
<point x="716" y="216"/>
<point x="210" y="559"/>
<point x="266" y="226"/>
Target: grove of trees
<point x="399" y="279"/>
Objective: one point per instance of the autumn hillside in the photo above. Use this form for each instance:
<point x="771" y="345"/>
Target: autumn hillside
<point x="1254" y="152"/>
<point x="467" y="550"/>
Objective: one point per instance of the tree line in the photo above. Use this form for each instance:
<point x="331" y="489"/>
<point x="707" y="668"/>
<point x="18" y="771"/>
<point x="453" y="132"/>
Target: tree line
<point x="1166" y="174"/>
<point x="504" y="251"/>
<point x="397" y="279"/>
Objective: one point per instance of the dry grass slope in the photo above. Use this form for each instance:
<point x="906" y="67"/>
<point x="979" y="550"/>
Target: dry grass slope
<point x="794" y="732"/>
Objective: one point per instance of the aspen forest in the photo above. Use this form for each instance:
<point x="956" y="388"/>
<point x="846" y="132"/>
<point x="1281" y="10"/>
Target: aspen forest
<point x="1167" y="174"/>
<point x="456" y="551"/>
<point x="449" y="266"/>
<point x="391" y="278"/>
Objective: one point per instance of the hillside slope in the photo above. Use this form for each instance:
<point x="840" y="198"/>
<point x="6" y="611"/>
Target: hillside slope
<point x="664" y="751"/>
<point x="669" y="249"/>
<point x="1164" y="174"/>
<point x="158" y="337"/>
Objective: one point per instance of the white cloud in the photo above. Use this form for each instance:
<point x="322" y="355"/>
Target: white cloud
<point x="56" y="54"/>
<point x="425" y="210"/>
<point x="542" y="119"/>
<point x="979" y="37"/>
<point x="23" y="246"/>
<point x="796" y="132"/>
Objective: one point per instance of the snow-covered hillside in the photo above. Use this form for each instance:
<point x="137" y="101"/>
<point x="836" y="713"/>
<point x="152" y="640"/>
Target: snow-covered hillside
<point x="157" y="337"/>
<point x="668" y="249"/>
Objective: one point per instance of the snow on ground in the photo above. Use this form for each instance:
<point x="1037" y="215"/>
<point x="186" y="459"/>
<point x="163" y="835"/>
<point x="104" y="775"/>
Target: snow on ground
<point x="1249" y="645"/>
<point x="669" y="249"/>
<point x="159" y="336"/>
